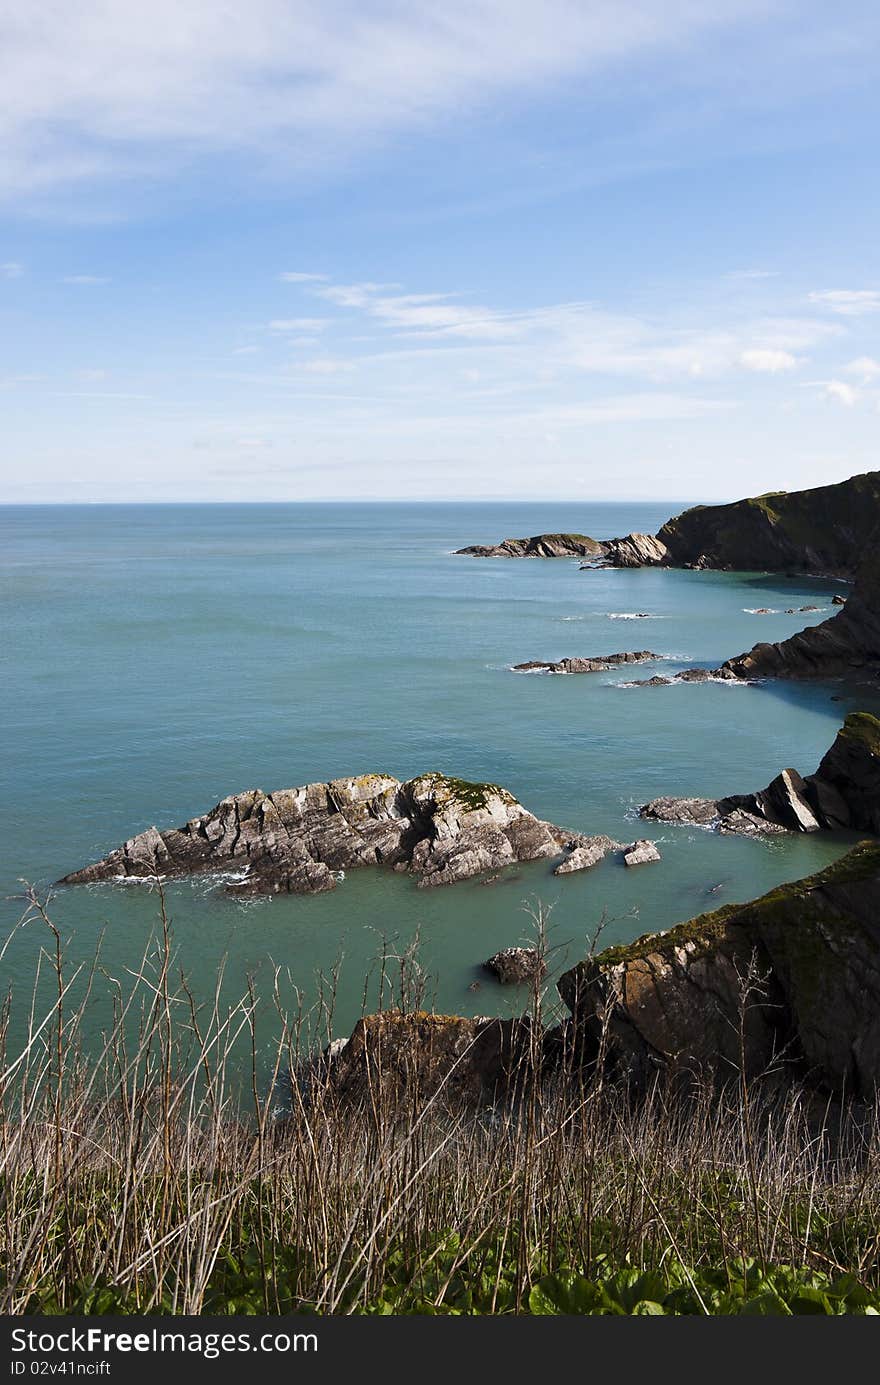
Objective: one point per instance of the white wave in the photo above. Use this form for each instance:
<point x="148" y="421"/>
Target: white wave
<point x="632" y="615"/>
<point x="151" y="880"/>
<point x="761" y="611"/>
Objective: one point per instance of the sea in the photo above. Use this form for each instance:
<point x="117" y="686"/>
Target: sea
<point x="157" y="658"/>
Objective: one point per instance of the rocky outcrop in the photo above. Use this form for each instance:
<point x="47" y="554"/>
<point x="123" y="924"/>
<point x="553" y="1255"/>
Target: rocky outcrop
<point x="597" y="663"/>
<point x="538" y="546"/>
<point x="824" y="530"/>
<point x="641" y="853"/>
<point x="636" y="550"/>
<point x="426" y="1057"/>
<point x="582" y="853"/>
<point x="301" y="841"/>
<point x="844" y="792"/>
<point x="791" y="978"/>
<point x="513" y="966"/>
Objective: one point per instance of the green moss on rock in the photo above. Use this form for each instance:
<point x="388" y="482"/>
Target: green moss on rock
<point x="862" y="729"/>
<point x="705" y="931"/>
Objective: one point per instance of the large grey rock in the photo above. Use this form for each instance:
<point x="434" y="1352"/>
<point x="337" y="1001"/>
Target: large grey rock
<point x="426" y="1057"/>
<point x="513" y="966"/>
<point x="584" y="852"/>
<point x="300" y="840"/>
<point x="641" y="853"/>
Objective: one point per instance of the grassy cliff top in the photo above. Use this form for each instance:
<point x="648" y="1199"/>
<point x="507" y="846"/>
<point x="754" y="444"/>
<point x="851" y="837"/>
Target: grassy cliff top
<point x="862" y="729"/>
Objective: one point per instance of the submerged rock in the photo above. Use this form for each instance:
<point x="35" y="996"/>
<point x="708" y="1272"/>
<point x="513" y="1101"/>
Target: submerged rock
<point x="514" y="965"/>
<point x="793" y="977"/>
<point x="294" y="840"/>
<point x="597" y="663"/>
<point x="844" y="792"/>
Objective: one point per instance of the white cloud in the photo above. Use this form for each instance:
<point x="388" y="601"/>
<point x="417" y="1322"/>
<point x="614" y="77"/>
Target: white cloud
<point x="293" y="276"/>
<point x="840" y="392"/>
<point x="768" y="360"/>
<point x="245" y="350"/>
<point x="583" y="337"/>
<point x="866" y="368"/>
<point x="101" y="87"/>
<point x="849" y="302"/>
<point x="84" y="279"/>
<point x="11" y="270"/>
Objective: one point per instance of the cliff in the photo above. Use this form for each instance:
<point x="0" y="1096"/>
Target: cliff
<point x="824" y="530"/>
<point x="846" y="643"/>
<point x="792" y="978"/>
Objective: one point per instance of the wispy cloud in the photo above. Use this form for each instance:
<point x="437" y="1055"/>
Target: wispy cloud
<point x="84" y="279"/>
<point x="11" y="270"/>
<point x="837" y="392"/>
<point x="848" y="302"/>
<point x="769" y="361"/>
<point x="295" y="276"/>
<point x="865" y="368"/>
<point x="99" y="88"/>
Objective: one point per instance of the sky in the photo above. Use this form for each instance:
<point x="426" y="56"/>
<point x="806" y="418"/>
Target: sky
<point x="386" y="249"/>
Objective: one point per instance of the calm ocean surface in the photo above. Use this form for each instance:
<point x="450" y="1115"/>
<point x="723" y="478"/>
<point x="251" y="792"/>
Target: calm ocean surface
<point x="159" y="658"/>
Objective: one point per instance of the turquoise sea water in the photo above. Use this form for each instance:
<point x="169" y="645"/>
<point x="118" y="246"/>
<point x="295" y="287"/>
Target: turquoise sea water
<point x="158" y="658"/>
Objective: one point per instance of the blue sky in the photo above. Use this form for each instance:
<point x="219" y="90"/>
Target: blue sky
<point x="294" y="250"/>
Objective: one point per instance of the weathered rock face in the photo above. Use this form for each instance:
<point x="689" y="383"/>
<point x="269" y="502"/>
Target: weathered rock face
<point x="584" y="852"/>
<point x="513" y="966"/>
<point x="538" y="546"/>
<point x="843" y="793"/>
<point x="296" y="840"/>
<point x="641" y="853"/>
<point x="847" y="783"/>
<point x="675" y="999"/>
<point x="848" y="643"/>
<point x="636" y="550"/>
<point x="824" y="530"/>
<point x="597" y="663"/>
<point x="423" y="1055"/>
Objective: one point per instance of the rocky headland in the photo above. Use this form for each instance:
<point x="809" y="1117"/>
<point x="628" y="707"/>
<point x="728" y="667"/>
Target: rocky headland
<point x="823" y="531"/>
<point x="843" y="793"/>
